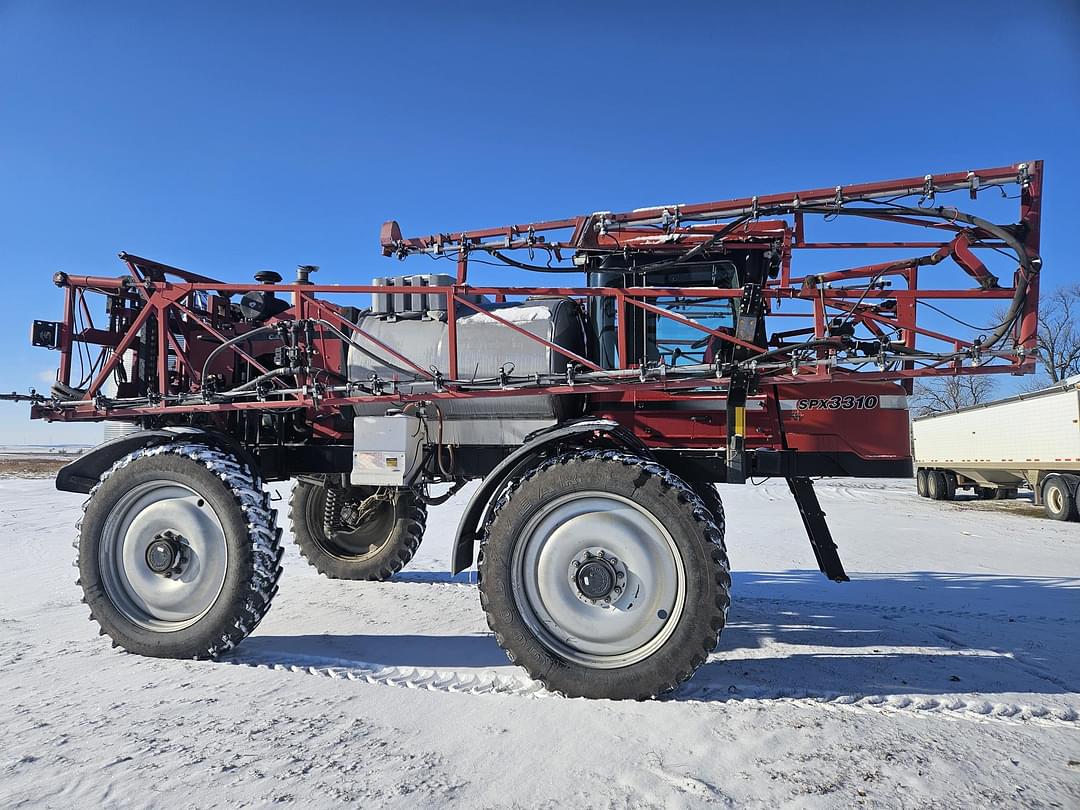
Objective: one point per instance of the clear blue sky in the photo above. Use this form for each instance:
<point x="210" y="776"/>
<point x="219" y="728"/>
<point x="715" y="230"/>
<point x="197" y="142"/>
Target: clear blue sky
<point x="229" y="137"/>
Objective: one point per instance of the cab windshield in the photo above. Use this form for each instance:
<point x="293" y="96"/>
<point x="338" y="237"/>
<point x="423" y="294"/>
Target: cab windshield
<point x="679" y="344"/>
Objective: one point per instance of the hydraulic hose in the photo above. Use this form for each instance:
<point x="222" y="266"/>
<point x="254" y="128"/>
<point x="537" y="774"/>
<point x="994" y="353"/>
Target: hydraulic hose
<point x="262" y="330"/>
<point x="283" y="371"/>
<point x="1028" y="265"/>
<point x="536" y="268"/>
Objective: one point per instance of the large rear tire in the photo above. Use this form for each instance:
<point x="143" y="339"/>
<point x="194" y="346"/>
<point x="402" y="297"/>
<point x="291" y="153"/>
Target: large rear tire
<point x="381" y="535"/>
<point x="1058" y="499"/>
<point x="706" y="490"/>
<point x="178" y="552"/>
<point x="604" y="575"/>
<point x="936" y="488"/>
<point x="920" y="484"/>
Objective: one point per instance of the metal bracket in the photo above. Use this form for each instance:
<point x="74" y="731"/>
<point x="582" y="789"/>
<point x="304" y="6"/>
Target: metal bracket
<point x="928" y="189"/>
<point x="736" y="460"/>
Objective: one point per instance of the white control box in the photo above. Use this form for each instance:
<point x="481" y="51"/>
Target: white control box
<point x="386" y="449"/>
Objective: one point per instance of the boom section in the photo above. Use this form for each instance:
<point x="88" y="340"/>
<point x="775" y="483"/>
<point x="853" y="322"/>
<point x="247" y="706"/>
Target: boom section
<point x="677" y="298"/>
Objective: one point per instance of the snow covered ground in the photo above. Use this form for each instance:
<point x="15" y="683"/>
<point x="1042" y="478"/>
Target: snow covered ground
<point x="945" y="675"/>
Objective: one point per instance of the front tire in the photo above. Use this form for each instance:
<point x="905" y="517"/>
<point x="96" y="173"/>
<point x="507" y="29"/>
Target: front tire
<point x="604" y="575"/>
<point x="178" y="552"/>
<point x="388" y="529"/>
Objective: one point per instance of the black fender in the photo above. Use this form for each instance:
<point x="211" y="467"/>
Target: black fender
<point x="1072" y="482"/>
<point x="603" y="432"/>
<point x="83" y="474"/>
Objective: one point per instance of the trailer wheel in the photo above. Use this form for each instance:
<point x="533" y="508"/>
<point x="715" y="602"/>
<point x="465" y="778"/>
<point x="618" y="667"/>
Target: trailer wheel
<point x="920" y="484"/>
<point x="381" y="530"/>
<point x="936" y="486"/>
<point x="604" y="575"/>
<point x="1058" y="499"/>
<point x="178" y="552"/>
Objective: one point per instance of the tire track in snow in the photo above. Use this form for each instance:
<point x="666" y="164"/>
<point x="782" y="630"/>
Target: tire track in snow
<point x="486" y="682"/>
<point x="938" y="705"/>
<point x="907" y="609"/>
<point x="468" y="580"/>
<point x="949" y="637"/>
<point x="473" y="682"/>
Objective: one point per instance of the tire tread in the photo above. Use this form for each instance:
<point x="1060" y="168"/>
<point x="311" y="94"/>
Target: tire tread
<point x="253" y="500"/>
<point x="406" y="541"/>
<point x="709" y="516"/>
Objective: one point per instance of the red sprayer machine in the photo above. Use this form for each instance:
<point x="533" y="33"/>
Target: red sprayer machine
<point x="669" y="348"/>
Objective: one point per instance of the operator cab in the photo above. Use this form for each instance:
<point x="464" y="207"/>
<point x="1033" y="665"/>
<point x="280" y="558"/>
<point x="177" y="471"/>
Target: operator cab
<point x="652" y="338"/>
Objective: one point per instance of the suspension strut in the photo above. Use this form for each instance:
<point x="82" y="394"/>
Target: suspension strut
<point x="332" y="510"/>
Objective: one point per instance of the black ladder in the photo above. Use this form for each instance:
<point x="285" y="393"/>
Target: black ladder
<point x="817" y="529"/>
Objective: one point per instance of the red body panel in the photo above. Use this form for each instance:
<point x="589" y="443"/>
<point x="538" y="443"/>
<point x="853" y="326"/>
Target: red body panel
<point x="869" y="420"/>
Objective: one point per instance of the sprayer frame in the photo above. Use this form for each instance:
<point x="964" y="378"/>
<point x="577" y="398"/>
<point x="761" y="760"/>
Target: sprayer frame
<point x="168" y="295"/>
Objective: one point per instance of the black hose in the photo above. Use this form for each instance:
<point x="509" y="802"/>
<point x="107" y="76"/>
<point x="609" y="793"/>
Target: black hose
<point x="810" y="344"/>
<point x="284" y="371"/>
<point x="232" y="342"/>
<point x="441" y="499"/>
<point x="954" y="215"/>
<point x="536" y="268"/>
<point x="697" y="250"/>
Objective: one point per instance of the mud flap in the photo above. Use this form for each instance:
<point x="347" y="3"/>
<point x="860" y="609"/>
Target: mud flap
<point x="817" y="529"/>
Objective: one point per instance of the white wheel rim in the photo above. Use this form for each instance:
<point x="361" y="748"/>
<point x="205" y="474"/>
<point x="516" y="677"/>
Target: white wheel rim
<point x="1055" y="499"/>
<point x="153" y="600"/>
<point x="636" y="621"/>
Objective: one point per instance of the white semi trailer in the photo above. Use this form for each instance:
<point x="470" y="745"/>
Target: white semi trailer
<point x="1029" y="440"/>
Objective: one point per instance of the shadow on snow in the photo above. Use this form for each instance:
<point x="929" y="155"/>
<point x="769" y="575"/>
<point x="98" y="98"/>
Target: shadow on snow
<point x="913" y="633"/>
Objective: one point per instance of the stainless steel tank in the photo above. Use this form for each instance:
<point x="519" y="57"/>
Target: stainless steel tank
<point x="485" y="346"/>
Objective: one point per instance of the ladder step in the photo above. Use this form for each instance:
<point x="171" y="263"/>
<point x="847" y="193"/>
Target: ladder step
<point x="813" y="518"/>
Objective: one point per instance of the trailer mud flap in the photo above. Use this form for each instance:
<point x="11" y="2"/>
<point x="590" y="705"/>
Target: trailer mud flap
<point x="817" y="529"/>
